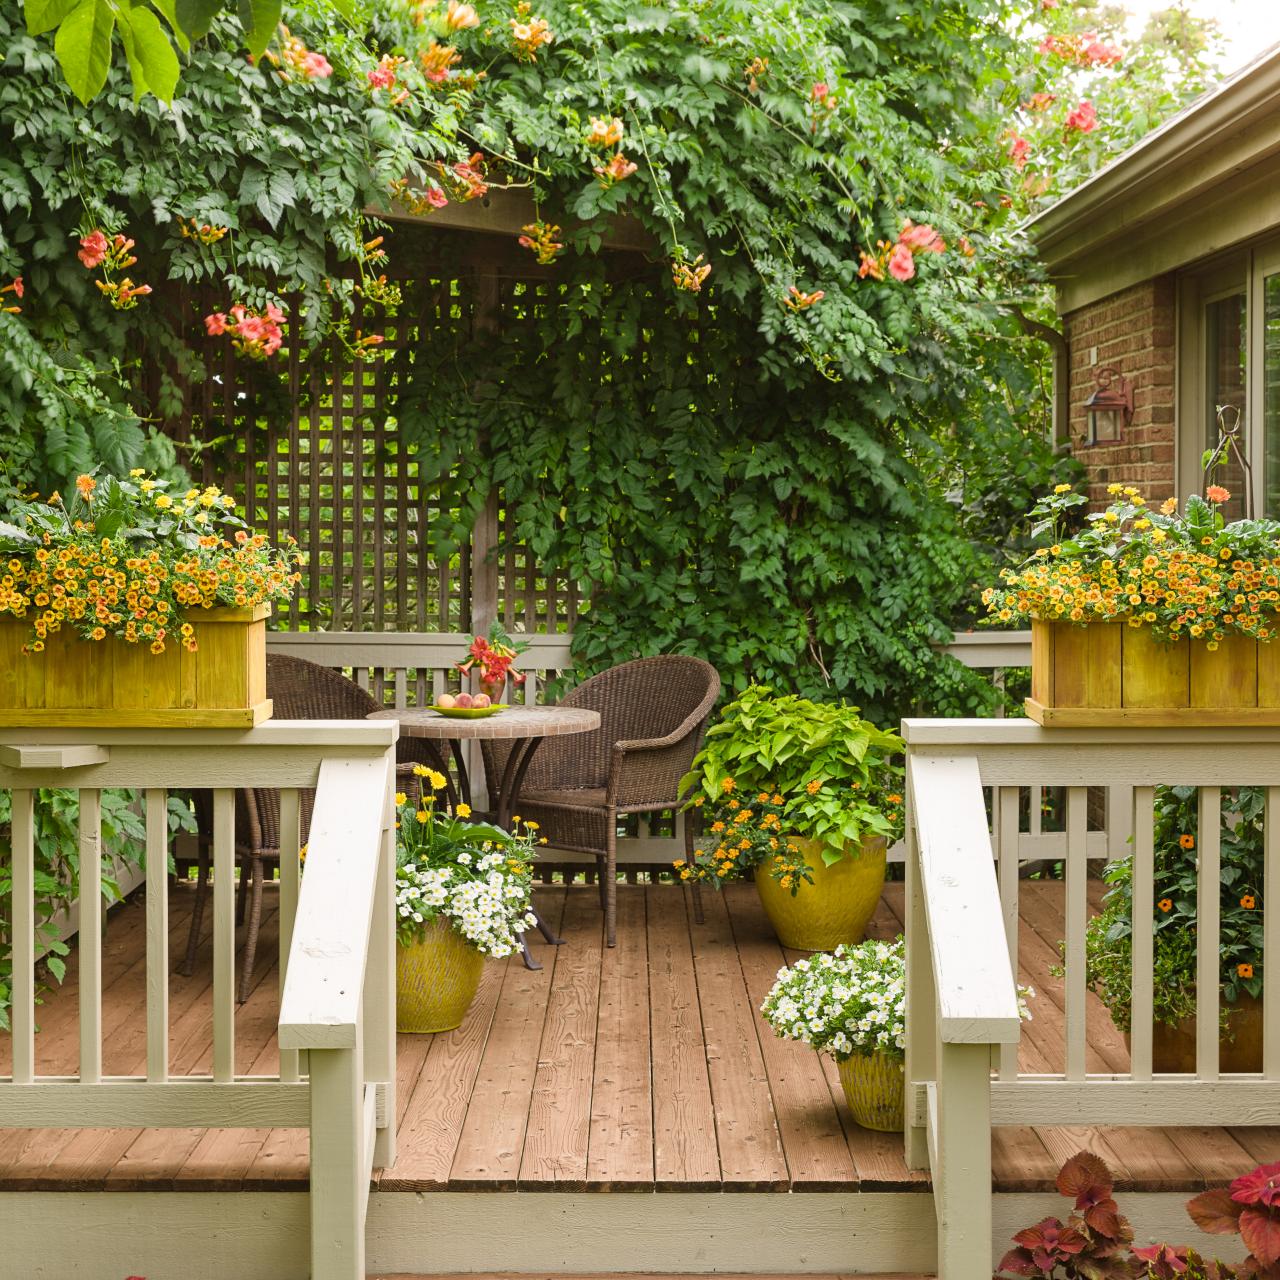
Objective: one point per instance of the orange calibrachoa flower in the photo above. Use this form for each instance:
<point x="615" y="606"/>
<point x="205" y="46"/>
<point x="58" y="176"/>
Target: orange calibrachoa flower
<point x="126" y="559"/>
<point x="1188" y="574"/>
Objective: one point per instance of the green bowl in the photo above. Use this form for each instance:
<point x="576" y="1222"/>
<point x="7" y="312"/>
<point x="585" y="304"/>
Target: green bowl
<point x="469" y="713"/>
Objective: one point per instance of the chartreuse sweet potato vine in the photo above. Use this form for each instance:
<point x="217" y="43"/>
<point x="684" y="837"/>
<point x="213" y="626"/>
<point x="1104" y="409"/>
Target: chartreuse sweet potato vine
<point x="1187" y="573"/>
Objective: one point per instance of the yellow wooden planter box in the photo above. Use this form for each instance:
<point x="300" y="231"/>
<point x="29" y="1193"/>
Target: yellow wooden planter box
<point x="1108" y="673"/>
<point x="76" y="683"/>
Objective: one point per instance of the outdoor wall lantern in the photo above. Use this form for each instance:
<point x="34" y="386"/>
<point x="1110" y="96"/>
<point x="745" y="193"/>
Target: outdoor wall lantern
<point x="1110" y="407"/>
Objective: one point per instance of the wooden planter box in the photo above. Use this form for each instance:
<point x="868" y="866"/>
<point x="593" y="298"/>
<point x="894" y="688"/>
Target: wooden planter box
<point x="1108" y="673"/>
<point x="110" y="683"/>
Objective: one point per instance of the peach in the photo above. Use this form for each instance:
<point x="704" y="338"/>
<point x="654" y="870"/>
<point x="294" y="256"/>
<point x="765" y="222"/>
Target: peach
<point x="463" y="700"/>
<point x="446" y="700"/>
<point x="481" y="700"/>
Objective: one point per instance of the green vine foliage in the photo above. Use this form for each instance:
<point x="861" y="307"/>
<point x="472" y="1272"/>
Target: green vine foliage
<point x="789" y="464"/>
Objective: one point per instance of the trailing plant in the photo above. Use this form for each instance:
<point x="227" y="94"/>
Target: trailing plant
<point x="816" y="770"/>
<point x="1109" y="935"/>
<point x="475" y="875"/>
<point x="1187" y="573"/>
<point x="57" y="864"/>
<point x="1096" y="1240"/>
<point x="126" y="558"/>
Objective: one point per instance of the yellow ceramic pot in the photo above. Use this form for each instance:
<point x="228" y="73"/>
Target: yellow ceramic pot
<point x="836" y="907"/>
<point x="873" y="1088"/>
<point x="436" y="980"/>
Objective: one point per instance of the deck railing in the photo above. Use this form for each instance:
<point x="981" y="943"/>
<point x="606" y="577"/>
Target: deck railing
<point x="965" y="845"/>
<point x="337" y="949"/>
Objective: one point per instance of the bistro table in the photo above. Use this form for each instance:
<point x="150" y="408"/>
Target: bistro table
<point x="523" y="727"/>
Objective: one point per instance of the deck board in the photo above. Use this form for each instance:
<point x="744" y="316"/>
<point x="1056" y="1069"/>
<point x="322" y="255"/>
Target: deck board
<point x="643" y="1067"/>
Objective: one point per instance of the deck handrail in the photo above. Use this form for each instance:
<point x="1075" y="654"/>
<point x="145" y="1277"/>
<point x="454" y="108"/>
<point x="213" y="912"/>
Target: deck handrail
<point x="976" y="994"/>
<point x="337" y="948"/>
<point x="967" y="800"/>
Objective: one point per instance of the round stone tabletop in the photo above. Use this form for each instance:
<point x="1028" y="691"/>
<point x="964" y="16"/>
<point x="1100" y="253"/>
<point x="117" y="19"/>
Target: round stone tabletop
<point x="514" y="722"/>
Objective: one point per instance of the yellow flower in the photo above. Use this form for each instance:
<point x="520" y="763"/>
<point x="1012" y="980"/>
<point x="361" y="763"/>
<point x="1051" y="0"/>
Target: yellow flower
<point x="1062" y="488"/>
<point x="136" y="472"/>
<point x="400" y="798"/>
<point x="463" y="811"/>
<point x="533" y="826"/>
<point x="420" y="770"/>
<point x="421" y="815"/>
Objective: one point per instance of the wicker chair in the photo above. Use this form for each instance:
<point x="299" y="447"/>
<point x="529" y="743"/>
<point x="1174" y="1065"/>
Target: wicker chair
<point x="653" y="713"/>
<point x="300" y="690"/>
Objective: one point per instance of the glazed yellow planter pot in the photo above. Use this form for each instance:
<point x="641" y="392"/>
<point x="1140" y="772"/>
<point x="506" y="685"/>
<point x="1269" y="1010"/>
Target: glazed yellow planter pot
<point x="836" y="907"/>
<point x="436" y="980"/>
<point x="873" y="1088"/>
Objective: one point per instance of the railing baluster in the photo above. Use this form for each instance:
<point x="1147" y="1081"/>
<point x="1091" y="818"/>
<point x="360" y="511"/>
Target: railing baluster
<point x="1143" y="932"/>
<point x="530" y="689"/>
<point x="1005" y="801"/>
<point x="1077" y="906"/>
<point x="401" y="685"/>
<point x="290" y="875"/>
<point x="224" y="935"/>
<point x="157" y="934"/>
<point x="89" y="945"/>
<point x="1271" y="935"/>
<point x="1208" y="956"/>
<point x="1036" y="810"/>
<point x="22" y="931"/>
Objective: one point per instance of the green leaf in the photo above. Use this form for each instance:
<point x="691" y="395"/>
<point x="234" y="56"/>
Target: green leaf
<point x="260" y="18"/>
<point x="152" y="59"/>
<point x="195" y="17"/>
<point x="168" y="9"/>
<point x="44" y="15"/>
<point x="83" y="46"/>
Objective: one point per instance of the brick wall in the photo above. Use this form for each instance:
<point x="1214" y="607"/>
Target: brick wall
<point x="1134" y="331"/>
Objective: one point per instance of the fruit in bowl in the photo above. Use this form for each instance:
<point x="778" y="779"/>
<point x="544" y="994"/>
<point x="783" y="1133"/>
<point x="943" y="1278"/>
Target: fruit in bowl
<point x="463" y="700"/>
<point x="481" y="700"/>
<point x="446" y="700"/>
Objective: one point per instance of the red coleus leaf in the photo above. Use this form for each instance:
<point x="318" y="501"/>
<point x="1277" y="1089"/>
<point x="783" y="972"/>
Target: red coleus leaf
<point x="1020" y="1263"/>
<point x="1086" y="1178"/>
<point x="1050" y="1240"/>
<point x="1261" y="1231"/>
<point x="1104" y="1219"/>
<point x="1163" y="1260"/>
<point x="1215" y="1212"/>
<point x="1262" y="1186"/>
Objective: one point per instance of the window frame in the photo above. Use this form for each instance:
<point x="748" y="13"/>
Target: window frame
<point x="1242" y="271"/>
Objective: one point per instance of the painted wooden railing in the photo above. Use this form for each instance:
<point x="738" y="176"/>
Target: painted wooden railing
<point x="337" y="950"/>
<point x="965" y="845"/>
<point x="408" y="669"/>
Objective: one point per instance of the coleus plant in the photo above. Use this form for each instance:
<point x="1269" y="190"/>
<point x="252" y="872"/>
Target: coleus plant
<point x="1096" y="1240"/>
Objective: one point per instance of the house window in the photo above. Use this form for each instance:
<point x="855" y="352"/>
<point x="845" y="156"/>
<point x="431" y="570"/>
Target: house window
<point x="1229" y="373"/>
<point x="1226" y="345"/>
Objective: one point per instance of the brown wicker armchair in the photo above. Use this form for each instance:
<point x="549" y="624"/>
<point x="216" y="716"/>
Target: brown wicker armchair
<point x="653" y="713"/>
<point x="300" y="690"/>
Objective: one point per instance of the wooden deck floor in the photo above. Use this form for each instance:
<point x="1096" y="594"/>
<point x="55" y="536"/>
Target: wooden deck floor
<point x="645" y="1067"/>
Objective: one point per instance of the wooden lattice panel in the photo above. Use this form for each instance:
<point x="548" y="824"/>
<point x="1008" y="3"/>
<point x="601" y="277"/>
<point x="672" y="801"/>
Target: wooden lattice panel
<point x="307" y="444"/>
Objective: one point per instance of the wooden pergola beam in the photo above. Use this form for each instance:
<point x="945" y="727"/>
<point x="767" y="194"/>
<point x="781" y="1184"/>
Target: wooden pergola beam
<point x="506" y="212"/>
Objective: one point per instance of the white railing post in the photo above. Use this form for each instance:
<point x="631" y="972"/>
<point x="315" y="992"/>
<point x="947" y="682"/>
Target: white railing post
<point x="380" y="998"/>
<point x="962" y="1183"/>
<point x="921" y="1067"/>
<point x="339" y="1182"/>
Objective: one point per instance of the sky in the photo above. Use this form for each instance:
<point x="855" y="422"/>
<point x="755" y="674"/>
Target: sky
<point x="1249" y="25"/>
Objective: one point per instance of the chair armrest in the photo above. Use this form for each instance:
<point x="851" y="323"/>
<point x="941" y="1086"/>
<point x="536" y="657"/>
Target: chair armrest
<point x="646" y="772"/>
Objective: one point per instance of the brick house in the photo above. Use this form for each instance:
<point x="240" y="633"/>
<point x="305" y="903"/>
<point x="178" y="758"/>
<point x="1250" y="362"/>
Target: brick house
<point x="1167" y="270"/>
